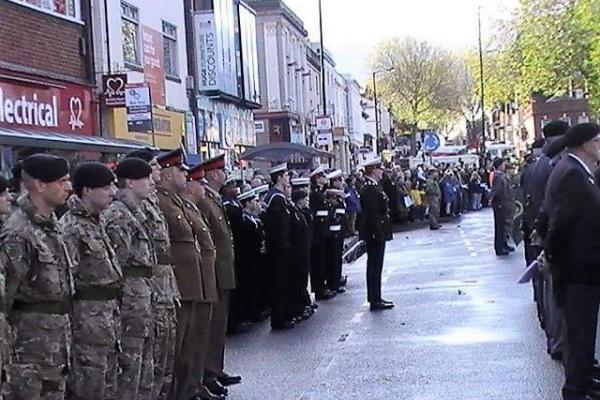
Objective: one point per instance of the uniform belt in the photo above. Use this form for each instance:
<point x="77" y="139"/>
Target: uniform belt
<point x="163" y="258"/>
<point x="322" y="213"/>
<point x="97" y="293"/>
<point x="340" y="211"/>
<point x="335" y="228"/>
<point x="48" y="307"/>
<point x="137" y="272"/>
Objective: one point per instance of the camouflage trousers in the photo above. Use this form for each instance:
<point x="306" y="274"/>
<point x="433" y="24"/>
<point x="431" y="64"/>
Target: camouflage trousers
<point x="164" y="351"/>
<point x="27" y="382"/>
<point x="93" y="374"/>
<point x="136" y="361"/>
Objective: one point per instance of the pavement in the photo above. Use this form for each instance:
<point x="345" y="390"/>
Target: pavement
<point x="462" y="329"/>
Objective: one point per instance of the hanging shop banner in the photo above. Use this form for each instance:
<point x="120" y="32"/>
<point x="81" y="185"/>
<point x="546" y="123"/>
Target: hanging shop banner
<point x="154" y="72"/>
<point x="113" y="88"/>
<point x="139" y="107"/>
<point x="66" y="109"/>
<point x="207" y="60"/>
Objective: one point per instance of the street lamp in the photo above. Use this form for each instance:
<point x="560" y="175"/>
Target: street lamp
<point x="379" y="71"/>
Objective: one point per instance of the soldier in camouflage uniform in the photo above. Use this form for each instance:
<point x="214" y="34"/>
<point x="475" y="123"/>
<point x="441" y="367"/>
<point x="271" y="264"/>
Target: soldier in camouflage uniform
<point x="39" y="285"/>
<point x="5" y="209"/>
<point x="125" y="225"/>
<point x="97" y="276"/>
<point x="164" y="285"/>
<point x="433" y="194"/>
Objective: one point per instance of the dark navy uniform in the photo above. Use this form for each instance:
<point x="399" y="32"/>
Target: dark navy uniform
<point x="301" y="239"/>
<point x="320" y="213"/>
<point x="335" y="242"/>
<point x="236" y="308"/>
<point x="277" y="233"/>
<point x="375" y="230"/>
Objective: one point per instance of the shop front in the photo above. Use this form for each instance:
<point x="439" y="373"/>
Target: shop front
<point x="41" y="115"/>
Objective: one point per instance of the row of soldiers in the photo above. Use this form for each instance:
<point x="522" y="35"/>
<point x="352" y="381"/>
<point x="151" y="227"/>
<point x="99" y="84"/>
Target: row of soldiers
<point x="127" y="295"/>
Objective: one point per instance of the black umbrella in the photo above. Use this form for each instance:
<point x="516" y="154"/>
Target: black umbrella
<point x="283" y="151"/>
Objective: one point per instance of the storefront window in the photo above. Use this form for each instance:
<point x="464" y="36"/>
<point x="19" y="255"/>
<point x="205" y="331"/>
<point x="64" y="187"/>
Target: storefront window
<point x="62" y="8"/>
<point x="131" y="33"/>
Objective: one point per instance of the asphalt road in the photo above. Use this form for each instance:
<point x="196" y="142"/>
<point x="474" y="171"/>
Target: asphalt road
<point x="462" y="329"/>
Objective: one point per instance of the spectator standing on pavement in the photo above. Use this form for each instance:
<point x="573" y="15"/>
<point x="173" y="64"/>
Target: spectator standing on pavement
<point x="352" y="204"/>
<point x="448" y="192"/>
<point x="572" y="201"/>
<point x="475" y="190"/>
<point x="433" y="194"/>
<point x="375" y="230"/>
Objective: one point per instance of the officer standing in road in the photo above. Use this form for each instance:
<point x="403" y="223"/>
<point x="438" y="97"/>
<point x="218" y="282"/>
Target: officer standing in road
<point x="164" y="286"/>
<point x="500" y="195"/>
<point x="135" y="253"/>
<point x="572" y="201"/>
<point x="319" y="250"/>
<point x="97" y="277"/>
<point x="375" y="230"/>
<point x="433" y="194"/>
<point x="39" y="284"/>
<point x="277" y="232"/>
<point x="212" y="208"/>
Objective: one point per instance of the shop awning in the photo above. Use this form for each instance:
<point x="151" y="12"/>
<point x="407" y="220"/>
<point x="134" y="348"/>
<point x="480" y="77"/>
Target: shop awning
<point x="283" y="151"/>
<point x="65" y="141"/>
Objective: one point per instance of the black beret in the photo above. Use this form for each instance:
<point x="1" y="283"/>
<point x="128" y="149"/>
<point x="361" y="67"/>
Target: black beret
<point x="3" y="184"/>
<point x="145" y="154"/>
<point x="538" y="144"/>
<point x="581" y="133"/>
<point x="133" y="168"/>
<point x="555" y="128"/>
<point x="555" y="147"/>
<point x="498" y="162"/>
<point x="92" y="175"/>
<point x="46" y="167"/>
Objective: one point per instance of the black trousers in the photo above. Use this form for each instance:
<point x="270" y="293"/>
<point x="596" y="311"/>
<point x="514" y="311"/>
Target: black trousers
<point x="580" y="307"/>
<point x="499" y="229"/>
<point x="318" y="263"/>
<point x="375" y="253"/>
<point x="335" y="252"/>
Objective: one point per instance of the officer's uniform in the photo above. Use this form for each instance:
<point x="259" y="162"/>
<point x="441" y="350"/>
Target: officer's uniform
<point x="39" y="289"/>
<point x="193" y="255"/>
<point x="375" y="230"/>
<point x="135" y="253"/>
<point x="212" y="208"/>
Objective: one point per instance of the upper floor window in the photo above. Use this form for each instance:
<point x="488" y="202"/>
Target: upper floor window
<point x="130" y="28"/>
<point x="170" y="49"/>
<point x="69" y="9"/>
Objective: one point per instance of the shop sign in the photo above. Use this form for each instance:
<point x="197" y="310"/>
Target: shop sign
<point x="190" y="134"/>
<point x="324" y="139"/>
<point x="154" y="72"/>
<point x="66" y="109"/>
<point x="139" y="107"/>
<point x="113" y="88"/>
<point x="169" y="128"/>
<point x="207" y="46"/>
<point x="324" y="124"/>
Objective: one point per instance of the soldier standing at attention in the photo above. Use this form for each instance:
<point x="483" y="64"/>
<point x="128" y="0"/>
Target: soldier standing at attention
<point x="164" y="285"/>
<point x="319" y="248"/>
<point x="39" y="284"/>
<point x="212" y="208"/>
<point x="337" y="217"/>
<point x="277" y="233"/>
<point x="135" y="253"/>
<point x="5" y="209"/>
<point x="376" y="229"/>
<point x="433" y="194"/>
<point x="97" y="277"/>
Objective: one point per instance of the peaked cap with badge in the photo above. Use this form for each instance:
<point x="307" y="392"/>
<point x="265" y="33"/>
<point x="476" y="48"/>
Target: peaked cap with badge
<point x="174" y="158"/>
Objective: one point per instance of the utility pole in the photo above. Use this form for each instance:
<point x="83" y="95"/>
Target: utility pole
<point x="376" y="112"/>
<point x="482" y="87"/>
<point x="323" y="91"/>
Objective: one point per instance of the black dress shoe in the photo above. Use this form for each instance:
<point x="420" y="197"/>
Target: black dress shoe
<point x="509" y="248"/>
<point x="314" y="306"/>
<point x="435" y="228"/>
<point x="228" y="380"/>
<point x="240" y="328"/>
<point x="502" y="253"/>
<point x="205" y="394"/>
<point x="556" y="355"/>
<point x="380" y="305"/>
<point x="215" y="387"/>
<point x="282" y="326"/>
<point x="324" y="295"/>
<point x="341" y="290"/>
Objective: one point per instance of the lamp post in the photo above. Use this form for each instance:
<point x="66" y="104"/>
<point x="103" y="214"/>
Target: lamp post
<point x="482" y="87"/>
<point x="377" y="105"/>
<point x="322" y="59"/>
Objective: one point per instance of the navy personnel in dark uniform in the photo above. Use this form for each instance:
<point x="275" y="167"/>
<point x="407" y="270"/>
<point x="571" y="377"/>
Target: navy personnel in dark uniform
<point x="375" y="230"/>
<point x="500" y="188"/>
<point x="337" y="220"/>
<point x="572" y="201"/>
<point x="277" y="230"/>
<point x="320" y="213"/>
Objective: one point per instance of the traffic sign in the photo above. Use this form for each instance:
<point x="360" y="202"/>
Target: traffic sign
<point x="431" y="141"/>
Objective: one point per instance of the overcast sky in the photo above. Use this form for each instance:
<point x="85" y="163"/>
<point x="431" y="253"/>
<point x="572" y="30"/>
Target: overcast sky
<point x="354" y="27"/>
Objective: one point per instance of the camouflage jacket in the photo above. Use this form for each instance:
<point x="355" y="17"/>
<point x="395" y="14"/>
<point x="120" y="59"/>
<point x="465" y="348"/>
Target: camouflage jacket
<point x="432" y="189"/>
<point x="163" y="280"/>
<point x="95" y="266"/>
<point x="37" y="272"/>
<point x="125" y="226"/>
